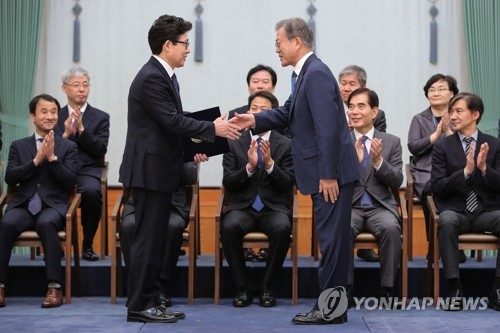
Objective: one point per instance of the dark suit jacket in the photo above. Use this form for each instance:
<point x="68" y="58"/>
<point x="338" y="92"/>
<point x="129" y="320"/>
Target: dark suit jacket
<point x="379" y="121"/>
<point x="274" y="189"/>
<point x="419" y="145"/>
<point x="153" y="155"/>
<point x="449" y="185"/>
<point x="321" y="145"/>
<point x="93" y="143"/>
<point x="379" y="184"/>
<point x="53" y="181"/>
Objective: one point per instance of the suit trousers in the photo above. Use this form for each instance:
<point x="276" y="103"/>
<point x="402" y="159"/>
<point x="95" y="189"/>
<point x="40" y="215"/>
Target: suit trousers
<point x="452" y="224"/>
<point x="46" y="223"/>
<point x="237" y="223"/>
<point x="91" y="206"/>
<point x="152" y="211"/>
<point x="333" y="224"/>
<point x="176" y="226"/>
<point x="385" y="226"/>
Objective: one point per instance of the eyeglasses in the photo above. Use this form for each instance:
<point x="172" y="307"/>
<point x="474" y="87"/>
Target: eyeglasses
<point x="186" y="42"/>
<point x="439" y="90"/>
<point x="78" y="85"/>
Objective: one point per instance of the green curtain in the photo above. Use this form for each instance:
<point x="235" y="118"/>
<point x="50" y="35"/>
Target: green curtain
<point x="20" y="25"/>
<point x="482" y="40"/>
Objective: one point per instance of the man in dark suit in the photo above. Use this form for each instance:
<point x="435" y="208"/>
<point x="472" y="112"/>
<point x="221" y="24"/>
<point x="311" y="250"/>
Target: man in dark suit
<point x="465" y="176"/>
<point x="177" y="223"/>
<point x="88" y="127"/>
<point x="153" y="158"/>
<point x="258" y="179"/>
<point x="324" y="158"/>
<point x="43" y="167"/>
<point x="259" y="78"/>
<point x="351" y="78"/>
<point x="374" y="207"/>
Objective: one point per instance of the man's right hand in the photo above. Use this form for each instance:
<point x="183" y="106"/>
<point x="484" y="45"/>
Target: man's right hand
<point x="226" y="129"/>
<point x="243" y="121"/>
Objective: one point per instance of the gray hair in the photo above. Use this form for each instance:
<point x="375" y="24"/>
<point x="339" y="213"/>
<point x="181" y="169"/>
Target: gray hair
<point x="355" y="70"/>
<point x="74" y="71"/>
<point x="297" y="27"/>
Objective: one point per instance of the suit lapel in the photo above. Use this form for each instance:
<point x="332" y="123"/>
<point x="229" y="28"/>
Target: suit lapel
<point x="160" y="67"/>
<point x="298" y="84"/>
<point x="88" y="117"/>
<point x="31" y="143"/>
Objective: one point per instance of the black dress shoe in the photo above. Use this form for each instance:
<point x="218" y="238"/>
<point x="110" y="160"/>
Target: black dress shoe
<point x="261" y="255"/>
<point x="152" y="315"/>
<point x="89" y="254"/>
<point x="176" y="314"/>
<point x="267" y="299"/>
<point x="494" y="300"/>
<point x="314" y="317"/>
<point x="163" y="300"/>
<point x="455" y="301"/>
<point x="368" y="255"/>
<point x="242" y="299"/>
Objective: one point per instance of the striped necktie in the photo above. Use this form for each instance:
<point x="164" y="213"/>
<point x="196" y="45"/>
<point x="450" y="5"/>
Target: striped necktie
<point x="471" y="202"/>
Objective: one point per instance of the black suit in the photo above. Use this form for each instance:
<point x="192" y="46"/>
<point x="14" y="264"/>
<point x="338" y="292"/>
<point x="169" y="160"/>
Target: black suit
<point x="451" y="188"/>
<point x="177" y="223"/>
<point x="151" y="167"/>
<point x="53" y="182"/>
<point x="92" y="146"/>
<point x="240" y="218"/>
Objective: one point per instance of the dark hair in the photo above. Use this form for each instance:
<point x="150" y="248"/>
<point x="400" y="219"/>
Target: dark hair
<point x="45" y="97"/>
<point x="264" y="94"/>
<point x="452" y="83"/>
<point x="474" y="103"/>
<point x="297" y="27"/>
<point x="258" y="68"/>
<point x="372" y="96"/>
<point x="166" y="27"/>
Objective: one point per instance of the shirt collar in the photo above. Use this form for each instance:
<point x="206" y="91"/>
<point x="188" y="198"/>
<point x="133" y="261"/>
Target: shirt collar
<point x="298" y="67"/>
<point x="461" y="136"/>
<point x="265" y="136"/>
<point x="369" y="134"/>
<point x="165" y="65"/>
<point x="38" y="136"/>
<point x="82" y="109"/>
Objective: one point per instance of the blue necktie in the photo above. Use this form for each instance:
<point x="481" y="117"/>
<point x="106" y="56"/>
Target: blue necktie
<point x="258" y="204"/>
<point x="365" y="200"/>
<point x="294" y="79"/>
<point x="35" y="204"/>
<point x="471" y="201"/>
<point x="176" y="85"/>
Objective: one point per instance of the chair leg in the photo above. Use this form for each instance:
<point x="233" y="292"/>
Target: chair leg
<point x="436" y="266"/>
<point x="218" y="264"/>
<point x="68" y="270"/>
<point x="114" y="260"/>
<point x="295" y="276"/>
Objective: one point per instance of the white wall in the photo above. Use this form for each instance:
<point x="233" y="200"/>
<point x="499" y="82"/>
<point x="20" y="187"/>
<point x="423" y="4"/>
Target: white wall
<point x="389" y="38"/>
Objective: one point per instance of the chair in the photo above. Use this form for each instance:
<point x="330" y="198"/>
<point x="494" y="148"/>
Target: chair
<point x="366" y="240"/>
<point x="31" y="239"/>
<point x="104" y="213"/>
<point x="257" y="240"/>
<point x="467" y="241"/>
<point x="412" y="201"/>
<point x="189" y="240"/>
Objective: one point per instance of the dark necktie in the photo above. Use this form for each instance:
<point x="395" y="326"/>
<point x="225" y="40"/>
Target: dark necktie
<point x="471" y="202"/>
<point x="176" y="85"/>
<point x="365" y="200"/>
<point x="35" y="204"/>
<point x="258" y="204"/>
<point x="294" y="79"/>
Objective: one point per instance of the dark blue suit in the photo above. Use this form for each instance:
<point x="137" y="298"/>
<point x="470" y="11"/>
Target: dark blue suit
<point x="322" y="149"/>
<point x="53" y="182"/>
<point x="151" y="167"/>
<point x="92" y="147"/>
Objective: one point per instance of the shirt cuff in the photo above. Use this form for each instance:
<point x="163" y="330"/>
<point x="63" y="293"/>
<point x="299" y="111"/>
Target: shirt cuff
<point x="377" y="168"/>
<point x="270" y="169"/>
